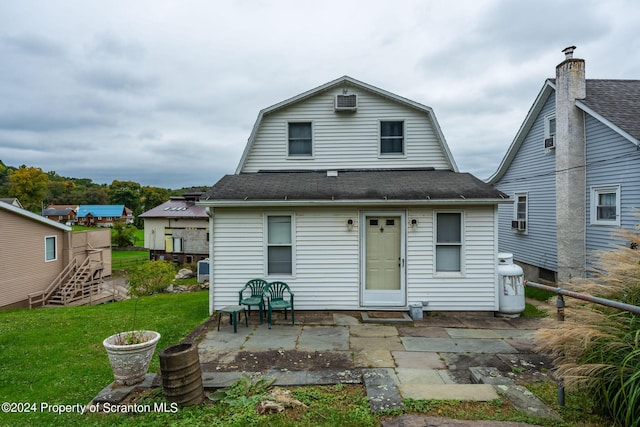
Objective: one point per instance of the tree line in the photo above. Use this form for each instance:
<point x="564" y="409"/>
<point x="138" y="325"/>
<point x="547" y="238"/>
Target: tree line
<point x="36" y="189"/>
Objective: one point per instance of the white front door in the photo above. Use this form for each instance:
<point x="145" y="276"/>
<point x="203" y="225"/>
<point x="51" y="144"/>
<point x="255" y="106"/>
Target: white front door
<point x="383" y="260"/>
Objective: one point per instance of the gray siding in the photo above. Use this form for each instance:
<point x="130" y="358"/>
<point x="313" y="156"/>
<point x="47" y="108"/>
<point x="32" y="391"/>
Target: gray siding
<point x="532" y="171"/>
<point x="611" y="160"/>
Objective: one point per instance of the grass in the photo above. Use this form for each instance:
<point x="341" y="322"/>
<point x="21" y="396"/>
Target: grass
<point x="56" y="355"/>
<point x="538" y="294"/>
<point x="121" y="260"/>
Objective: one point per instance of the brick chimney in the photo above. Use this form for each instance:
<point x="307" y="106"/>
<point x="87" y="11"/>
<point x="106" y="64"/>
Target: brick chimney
<point x="570" y="167"/>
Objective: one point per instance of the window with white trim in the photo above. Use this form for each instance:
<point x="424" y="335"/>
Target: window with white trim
<point x="391" y="137"/>
<point x="448" y="242"/>
<point x="605" y="205"/>
<point x="300" y="139"/>
<point x="279" y="251"/>
<point x="520" y="209"/>
<point x="50" y="248"/>
<point x="549" y="133"/>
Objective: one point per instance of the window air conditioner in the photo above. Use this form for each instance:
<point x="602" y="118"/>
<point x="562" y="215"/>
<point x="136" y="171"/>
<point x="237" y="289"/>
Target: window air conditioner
<point x="519" y="225"/>
<point x="345" y="102"/>
<point x="550" y="142"/>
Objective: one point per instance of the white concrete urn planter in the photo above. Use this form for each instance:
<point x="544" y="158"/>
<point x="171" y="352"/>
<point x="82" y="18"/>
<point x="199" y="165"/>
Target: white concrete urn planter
<point x="130" y="362"/>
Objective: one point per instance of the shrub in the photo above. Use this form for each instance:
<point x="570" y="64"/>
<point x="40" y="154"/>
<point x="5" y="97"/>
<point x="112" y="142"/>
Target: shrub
<point x="150" y="277"/>
<point x="598" y="348"/>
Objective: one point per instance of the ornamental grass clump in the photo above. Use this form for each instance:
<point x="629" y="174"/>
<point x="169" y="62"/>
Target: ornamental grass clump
<point x="597" y="349"/>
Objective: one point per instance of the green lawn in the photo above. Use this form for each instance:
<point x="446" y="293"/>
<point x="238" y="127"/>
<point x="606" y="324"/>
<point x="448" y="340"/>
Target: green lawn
<point x="56" y="356"/>
<point x="124" y="259"/>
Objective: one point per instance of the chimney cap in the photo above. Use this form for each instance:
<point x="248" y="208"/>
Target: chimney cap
<point x="568" y="52"/>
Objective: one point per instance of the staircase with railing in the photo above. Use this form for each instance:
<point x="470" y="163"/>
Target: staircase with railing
<point x="75" y="285"/>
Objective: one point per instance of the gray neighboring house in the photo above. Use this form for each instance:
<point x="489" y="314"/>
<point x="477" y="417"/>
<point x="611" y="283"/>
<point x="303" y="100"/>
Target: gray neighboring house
<point x="573" y="171"/>
<point x="350" y="195"/>
<point x="177" y="230"/>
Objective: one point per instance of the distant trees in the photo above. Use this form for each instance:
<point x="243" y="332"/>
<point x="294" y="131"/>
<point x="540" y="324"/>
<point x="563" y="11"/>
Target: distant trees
<point x="29" y="185"/>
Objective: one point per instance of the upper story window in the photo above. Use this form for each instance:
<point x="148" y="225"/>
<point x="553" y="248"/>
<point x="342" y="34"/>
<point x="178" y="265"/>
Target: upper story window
<point x="391" y="137"/>
<point x="550" y="132"/>
<point x="300" y="140"/>
<point x="448" y="242"/>
<point x="605" y="205"/>
<point x="520" y="208"/>
<point x="50" y="248"/>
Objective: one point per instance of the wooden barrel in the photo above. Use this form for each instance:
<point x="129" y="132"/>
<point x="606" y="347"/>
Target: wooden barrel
<point x="181" y="375"/>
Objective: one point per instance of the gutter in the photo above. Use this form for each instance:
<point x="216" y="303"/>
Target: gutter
<point x="384" y="202"/>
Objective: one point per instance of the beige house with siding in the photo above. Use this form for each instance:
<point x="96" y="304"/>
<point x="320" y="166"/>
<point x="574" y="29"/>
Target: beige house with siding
<point x="34" y="251"/>
<point x="350" y="194"/>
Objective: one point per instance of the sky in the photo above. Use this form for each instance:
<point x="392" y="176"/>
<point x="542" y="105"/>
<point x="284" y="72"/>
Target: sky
<point x="165" y="93"/>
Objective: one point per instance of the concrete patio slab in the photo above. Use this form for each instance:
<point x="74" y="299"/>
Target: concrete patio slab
<point x="418" y="376"/>
<point x="420" y="360"/>
<point x="373" y="330"/>
<point x="450" y="345"/>
<point x="389" y="344"/>
<point x="279" y="337"/>
<point x="468" y="392"/>
<point x="345" y="320"/>
<point x="423" y="331"/>
<point x="323" y="338"/>
<point x="472" y="333"/>
<point x="226" y="340"/>
<point x="382" y="389"/>
<point x="373" y="359"/>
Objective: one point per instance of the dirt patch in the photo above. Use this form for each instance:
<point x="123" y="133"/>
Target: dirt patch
<point x="521" y="368"/>
<point x="290" y="360"/>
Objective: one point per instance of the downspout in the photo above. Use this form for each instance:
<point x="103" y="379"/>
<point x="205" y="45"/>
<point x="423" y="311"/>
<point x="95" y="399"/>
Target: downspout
<point x="209" y="211"/>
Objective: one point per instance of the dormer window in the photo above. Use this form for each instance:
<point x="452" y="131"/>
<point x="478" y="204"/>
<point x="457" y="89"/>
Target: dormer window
<point x="391" y="137"/>
<point x="300" y="140"/>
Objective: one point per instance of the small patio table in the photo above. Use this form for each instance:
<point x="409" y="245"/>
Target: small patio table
<point x="233" y="311"/>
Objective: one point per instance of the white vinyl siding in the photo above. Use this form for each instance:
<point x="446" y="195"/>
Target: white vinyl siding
<point x="327" y="259"/>
<point x="346" y="140"/>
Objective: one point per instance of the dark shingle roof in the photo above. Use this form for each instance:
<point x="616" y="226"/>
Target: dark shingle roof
<point x="617" y="101"/>
<point x="408" y="184"/>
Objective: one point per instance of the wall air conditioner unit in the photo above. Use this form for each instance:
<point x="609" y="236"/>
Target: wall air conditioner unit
<point x="519" y="225"/>
<point x="550" y="143"/>
<point x="344" y="102"/>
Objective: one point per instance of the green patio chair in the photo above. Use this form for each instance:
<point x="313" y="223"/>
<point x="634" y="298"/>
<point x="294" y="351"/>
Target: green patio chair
<point x="256" y="286"/>
<point x="276" y="293"/>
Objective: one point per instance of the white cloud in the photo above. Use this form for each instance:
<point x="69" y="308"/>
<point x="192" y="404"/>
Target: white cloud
<point x="166" y="93"/>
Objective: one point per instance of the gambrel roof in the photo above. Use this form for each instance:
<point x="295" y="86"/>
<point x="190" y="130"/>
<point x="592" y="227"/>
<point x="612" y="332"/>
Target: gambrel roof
<point x="615" y="103"/>
<point x="358" y="84"/>
<point x="409" y="186"/>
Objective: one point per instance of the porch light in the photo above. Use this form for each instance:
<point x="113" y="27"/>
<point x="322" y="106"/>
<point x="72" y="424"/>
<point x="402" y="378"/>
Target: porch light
<point x="414" y="222"/>
<point x="349" y="224"/>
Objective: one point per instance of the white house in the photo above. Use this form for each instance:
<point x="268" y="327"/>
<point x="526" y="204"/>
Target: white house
<point x="350" y="194"/>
